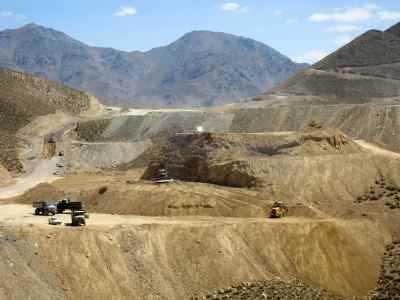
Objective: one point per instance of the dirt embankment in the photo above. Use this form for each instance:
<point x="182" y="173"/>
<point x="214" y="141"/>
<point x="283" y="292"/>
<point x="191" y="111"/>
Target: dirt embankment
<point x="320" y="160"/>
<point x="149" y="199"/>
<point x="370" y="122"/>
<point x="207" y="157"/>
<point x="182" y="259"/>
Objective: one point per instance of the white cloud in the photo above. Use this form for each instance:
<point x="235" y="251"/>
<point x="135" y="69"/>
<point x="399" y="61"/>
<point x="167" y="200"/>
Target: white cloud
<point x="6" y="13"/>
<point x="311" y="56"/>
<point x="343" y="28"/>
<point x="126" y="11"/>
<point x="357" y="14"/>
<point x="231" y="6"/>
<point x="278" y="12"/>
<point x="291" y="21"/>
<point x="342" y="40"/>
<point x="389" y="15"/>
<point x="234" y="7"/>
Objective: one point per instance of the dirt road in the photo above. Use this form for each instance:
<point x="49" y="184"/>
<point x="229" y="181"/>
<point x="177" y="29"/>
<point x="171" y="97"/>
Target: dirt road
<point x="17" y="214"/>
<point x="377" y="150"/>
<point x="43" y="172"/>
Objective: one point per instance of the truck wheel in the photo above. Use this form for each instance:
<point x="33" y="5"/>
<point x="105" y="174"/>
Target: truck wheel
<point x="37" y="212"/>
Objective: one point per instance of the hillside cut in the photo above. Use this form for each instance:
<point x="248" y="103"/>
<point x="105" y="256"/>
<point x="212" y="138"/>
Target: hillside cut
<point x="24" y="98"/>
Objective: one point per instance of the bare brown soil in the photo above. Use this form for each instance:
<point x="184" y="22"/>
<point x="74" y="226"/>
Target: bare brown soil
<point x="175" y="258"/>
<point x="190" y="238"/>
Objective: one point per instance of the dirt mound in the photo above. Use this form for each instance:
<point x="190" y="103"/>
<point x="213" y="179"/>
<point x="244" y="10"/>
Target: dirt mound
<point x="389" y="280"/>
<point x="273" y="290"/>
<point x="223" y="158"/>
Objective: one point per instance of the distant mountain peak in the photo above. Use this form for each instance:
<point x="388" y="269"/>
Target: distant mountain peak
<point x="201" y="68"/>
<point x="32" y="29"/>
<point x="31" y="25"/>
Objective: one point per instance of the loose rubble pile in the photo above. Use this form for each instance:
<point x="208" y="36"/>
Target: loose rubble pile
<point x="382" y="191"/>
<point x="272" y="289"/>
<point x="389" y="280"/>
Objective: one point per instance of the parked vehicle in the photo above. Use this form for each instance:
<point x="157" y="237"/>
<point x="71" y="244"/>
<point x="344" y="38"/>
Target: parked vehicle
<point x="44" y="208"/>
<point x="78" y="217"/>
<point x="54" y="221"/>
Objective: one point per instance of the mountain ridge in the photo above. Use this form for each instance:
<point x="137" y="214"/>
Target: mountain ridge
<point x="200" y="68"/>
<point x="366" y="70"/>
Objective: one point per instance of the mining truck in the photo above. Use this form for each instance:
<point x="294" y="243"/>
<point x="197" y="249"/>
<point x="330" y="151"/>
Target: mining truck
<point x="278" y="210"/>
<point x="44" y="208"/>
<point x="78" y="217"/>
<point x="67" y="204"/>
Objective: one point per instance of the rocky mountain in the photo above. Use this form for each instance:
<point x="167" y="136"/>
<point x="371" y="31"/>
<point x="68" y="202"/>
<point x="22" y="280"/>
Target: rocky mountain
<point x="201" y="68"/>
<point x="24" y="98"/>
<point x="365" y="70"/>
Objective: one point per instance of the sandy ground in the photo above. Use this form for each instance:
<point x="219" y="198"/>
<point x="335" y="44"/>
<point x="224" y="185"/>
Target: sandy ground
<point x="43" y="172"/>
<point x="17" y="214"/>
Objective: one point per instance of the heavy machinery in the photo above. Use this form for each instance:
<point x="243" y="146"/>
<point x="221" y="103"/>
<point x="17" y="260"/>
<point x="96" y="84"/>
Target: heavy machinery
<point x="78" y="217"/>
<point x="44" y="208"/>
<point x="67" y="204"/>
<point x="162" y="176"/>
<point x="279" y="210"/>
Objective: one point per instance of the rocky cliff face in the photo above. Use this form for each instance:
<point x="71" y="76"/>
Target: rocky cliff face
<point x="201" y="68"/>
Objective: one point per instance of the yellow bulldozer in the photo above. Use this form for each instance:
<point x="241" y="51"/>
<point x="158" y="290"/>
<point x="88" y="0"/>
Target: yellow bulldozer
<point x="279" y="210"/>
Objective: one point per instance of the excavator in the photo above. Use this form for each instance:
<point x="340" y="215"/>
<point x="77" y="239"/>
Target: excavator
<point x="279" y="210"/>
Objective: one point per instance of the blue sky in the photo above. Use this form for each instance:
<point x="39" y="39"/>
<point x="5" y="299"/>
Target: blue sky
<point x="302" y="30"/>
